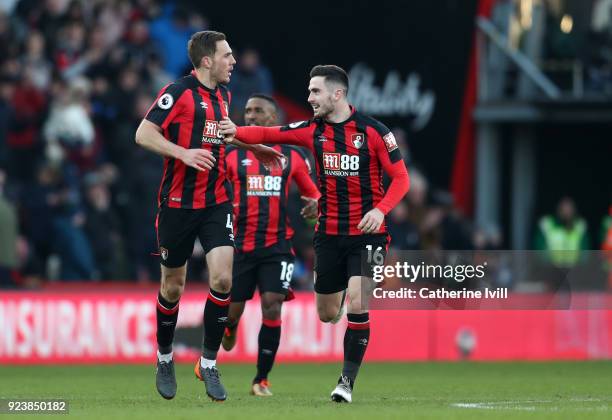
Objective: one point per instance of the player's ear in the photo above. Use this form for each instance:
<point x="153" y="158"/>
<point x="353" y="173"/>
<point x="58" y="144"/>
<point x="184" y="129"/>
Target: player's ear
<point x="338" y="94"/>
<point x="206" y="62"/>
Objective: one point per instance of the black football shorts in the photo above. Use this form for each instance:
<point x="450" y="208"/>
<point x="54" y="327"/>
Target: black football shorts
<point x="177" y="230"/>
<point x="340" y="257"/>
<point x="268" y="271"/>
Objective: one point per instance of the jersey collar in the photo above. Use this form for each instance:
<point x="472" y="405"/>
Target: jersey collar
<point x="200" y="84"/>
<point x="349" y="119"/>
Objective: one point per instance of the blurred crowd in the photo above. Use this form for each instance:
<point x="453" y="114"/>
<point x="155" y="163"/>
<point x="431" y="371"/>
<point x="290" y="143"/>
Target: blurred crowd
<point x="76" y="78"/>
<point x="78" y="196"/>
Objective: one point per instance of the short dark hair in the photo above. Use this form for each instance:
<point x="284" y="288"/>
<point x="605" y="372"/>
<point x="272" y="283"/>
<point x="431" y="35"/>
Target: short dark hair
<point x="267" y="98"/>
<point x="203" y="43"/>
<point x="331" y="73"/>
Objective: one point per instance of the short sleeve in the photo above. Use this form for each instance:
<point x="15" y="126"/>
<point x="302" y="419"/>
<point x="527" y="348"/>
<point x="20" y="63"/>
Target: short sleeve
<point x="167" y="105"/>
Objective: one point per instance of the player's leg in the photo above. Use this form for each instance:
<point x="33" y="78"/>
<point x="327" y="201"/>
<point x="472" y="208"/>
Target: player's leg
<point x="171" y="290"/>
<point x="330" y="305"/>
<point x="231" y="329"/>
<point x="356" y="339"/>
<point x="176" y="235"/>
<point x="267" y="341"/>
<point x="274" y="278"/>
<point x="244" y="281"/>
<point x="219" y="261"/>
<point x="172" y="286"/>
<point x="357" y="335"/>
<point x="330" y="277"/>
<point x="217" y="238"/>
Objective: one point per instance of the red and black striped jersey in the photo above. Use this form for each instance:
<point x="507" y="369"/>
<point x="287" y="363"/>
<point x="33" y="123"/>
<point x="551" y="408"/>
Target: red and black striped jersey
<point x="260" y="197"/>
<point x="188" y="113"/>
<point x="350" y="158"/>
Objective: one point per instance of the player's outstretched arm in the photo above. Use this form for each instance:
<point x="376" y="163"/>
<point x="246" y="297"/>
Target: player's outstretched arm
<point x="268" y="156"/>
<point x="148" y="135"/>
<point x="298" y="135"/>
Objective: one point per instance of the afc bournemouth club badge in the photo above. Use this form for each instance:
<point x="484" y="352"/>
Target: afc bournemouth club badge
<point x="357" y="140"/>
<point x="163" y="252"/>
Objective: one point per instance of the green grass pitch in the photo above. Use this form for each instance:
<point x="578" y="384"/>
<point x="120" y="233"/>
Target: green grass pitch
<point x="384" y="391"/>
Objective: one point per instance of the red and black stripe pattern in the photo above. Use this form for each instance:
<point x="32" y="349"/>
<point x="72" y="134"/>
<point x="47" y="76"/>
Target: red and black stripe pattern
<point x="188" y="113"/>
<point x="350" y="158"/>
<point x="349" y="171"/>
<point x="260" y="197"/>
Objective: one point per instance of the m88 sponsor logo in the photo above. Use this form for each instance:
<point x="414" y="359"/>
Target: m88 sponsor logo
<point x="338" y="164"/>
<point x="264" y="185"/>
<point x="211" y="132"/>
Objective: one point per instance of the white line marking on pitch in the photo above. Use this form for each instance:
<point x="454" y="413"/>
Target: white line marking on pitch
<point x="527" y="405"/>
<point x="504" y="405"/>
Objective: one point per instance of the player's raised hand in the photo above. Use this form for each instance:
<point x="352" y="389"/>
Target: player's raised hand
<point x="199" y="159"/>
<point x="270" y="157"/>
<point x="227" y="128"/>
<point x="372" y="221"/>
<point x="310" y="209"/>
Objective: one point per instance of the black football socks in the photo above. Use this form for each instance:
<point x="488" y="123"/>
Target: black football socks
<point x="167" y="314"/>
<point x="268" y="340"/>
<point x="356" y="341"/>
<point x="215" y="320"/>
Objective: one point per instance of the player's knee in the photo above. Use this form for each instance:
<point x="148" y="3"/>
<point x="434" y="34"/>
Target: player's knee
<point x="354" y="306"/>
<point x="172" y="286"/>
<point x="328" y="314"/>
<point x="271" y="310"/>
<point x="354" y="301"/>
<point x="353" y="295"/>
<point x="221" y="282"/>
<point x="173" y="291"/>
<point x="271" y="304"/>
<point x="325" y="317"/>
